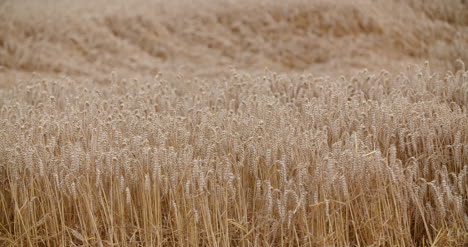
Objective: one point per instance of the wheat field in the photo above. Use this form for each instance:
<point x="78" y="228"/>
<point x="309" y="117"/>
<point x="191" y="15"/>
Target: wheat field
<point x="233" y="123"/>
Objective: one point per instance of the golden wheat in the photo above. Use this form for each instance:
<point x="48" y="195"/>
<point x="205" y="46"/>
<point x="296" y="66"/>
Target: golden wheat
<point x="217" y="150"/>
<point x="279" y="160"/>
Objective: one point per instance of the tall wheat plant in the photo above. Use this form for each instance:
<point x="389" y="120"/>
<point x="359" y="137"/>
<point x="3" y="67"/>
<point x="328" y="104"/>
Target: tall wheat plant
<point x="272" y="160"/>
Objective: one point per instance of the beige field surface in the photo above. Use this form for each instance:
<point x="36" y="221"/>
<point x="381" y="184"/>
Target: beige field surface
<point x="233" y="123"/>
<point x="205" y="38"/>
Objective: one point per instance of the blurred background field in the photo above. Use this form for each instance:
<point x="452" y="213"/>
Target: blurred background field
<point x="140" y="38"/>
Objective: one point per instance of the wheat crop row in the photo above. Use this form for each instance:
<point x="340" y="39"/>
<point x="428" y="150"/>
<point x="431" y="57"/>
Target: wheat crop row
<point x="376" y="159"/>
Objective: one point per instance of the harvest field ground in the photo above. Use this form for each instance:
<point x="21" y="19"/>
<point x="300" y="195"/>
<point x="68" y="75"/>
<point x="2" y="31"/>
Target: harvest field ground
<point x="234" y="123"/>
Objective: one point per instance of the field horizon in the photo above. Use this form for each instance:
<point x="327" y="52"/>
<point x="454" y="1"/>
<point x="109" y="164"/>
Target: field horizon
<point x="91" y="39"/>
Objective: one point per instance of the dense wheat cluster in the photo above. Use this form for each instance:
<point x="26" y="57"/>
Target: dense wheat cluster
<point x="98" y="148"/>
<point x="243" y="160"/>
